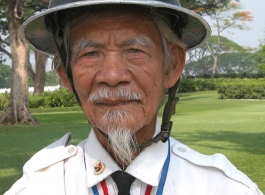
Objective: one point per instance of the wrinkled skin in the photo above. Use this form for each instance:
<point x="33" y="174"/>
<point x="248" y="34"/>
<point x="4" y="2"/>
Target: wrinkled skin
<point x="115" y="61"/>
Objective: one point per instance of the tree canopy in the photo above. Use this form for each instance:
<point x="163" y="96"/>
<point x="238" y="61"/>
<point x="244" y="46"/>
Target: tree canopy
<point x="205" y="7"/>
<point x="258" y="58"/>
<point x="233" y="58"/>
<point x="27" y="7"/>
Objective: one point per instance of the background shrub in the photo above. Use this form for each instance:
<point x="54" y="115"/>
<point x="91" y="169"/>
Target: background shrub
<point x="4" y="100"/>
<point x="38" y="100"/>
<point x="198" y="84"/>
<point x="58" y="98"/>
<point x="245" y="89"/>
<point x="61" y="98"/>
<point x="227" y="88"/>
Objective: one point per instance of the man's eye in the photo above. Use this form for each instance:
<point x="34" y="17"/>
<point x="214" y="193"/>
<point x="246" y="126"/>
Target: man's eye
<point x="133" y="50"/>
<point x="91" y="53"/>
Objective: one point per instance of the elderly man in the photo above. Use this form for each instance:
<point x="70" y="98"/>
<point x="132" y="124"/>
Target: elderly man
<point x="118" y="57"/>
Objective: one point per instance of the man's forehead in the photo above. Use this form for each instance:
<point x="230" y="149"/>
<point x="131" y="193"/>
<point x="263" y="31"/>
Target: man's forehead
<point x="134" y="23"/>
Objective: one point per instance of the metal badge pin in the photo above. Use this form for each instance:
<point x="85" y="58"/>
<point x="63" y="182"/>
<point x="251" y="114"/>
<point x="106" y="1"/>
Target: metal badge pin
<point x="98" y="167"/>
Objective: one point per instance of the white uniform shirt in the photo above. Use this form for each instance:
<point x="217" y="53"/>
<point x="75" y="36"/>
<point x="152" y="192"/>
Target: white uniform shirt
<point x="189" y="172"/>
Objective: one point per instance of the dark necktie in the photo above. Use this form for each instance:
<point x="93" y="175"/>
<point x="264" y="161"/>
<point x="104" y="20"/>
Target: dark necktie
<point x="123" y="181"/>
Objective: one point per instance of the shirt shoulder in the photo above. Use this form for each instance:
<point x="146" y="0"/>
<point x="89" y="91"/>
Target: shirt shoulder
<point x="217" y="161"/>
<point x="51" y="154"/>
<point x="37" y="167"/>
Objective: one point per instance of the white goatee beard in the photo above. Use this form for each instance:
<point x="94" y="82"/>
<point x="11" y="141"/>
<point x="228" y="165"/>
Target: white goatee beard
<point x="115" y="123"/>
<point x="123" y="145"/>
<point x="120" y="137"/>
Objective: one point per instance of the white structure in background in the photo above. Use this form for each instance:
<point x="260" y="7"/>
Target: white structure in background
<point x="31" y="89"/>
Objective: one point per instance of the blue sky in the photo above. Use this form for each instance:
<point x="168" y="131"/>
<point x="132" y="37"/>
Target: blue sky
<point x="249" y="37"/>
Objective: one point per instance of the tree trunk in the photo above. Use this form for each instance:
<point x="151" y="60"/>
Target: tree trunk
<point x="217" y="53"/>
<point x="39" y="78"/>
<point x="17" y="111"/>
<point x="214" y="66"/>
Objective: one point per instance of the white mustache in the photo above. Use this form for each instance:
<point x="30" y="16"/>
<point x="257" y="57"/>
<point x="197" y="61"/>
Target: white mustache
<point x="118" y="92"/>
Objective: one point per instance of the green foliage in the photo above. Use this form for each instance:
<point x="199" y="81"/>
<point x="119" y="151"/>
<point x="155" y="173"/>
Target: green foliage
<point x="5" y="76"/>
<point x="231" y="58"/>
<point x="29" y="7"/>
<point x="260" y="58"/>
<point x="51" y="78"/>
<point x="228" y="88"/>
<point x="203" y="84"/>
<point x="236" y="63"/>
<point x="226" y="45"/>
<point x="224" y="18"/>
<point x="39" y="100"/>
<point x="192" y="85"/>
<point x="31" y="82"/>
<point x="242" y="89"/>
<point x="204" y="6"/>
<point x="59" y="98"/>
<point x="4" y="100"/>
<point x="228" y="64"/>
<point x="3" y="16"/>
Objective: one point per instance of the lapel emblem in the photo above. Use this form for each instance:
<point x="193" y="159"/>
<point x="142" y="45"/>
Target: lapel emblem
<point x="98" y="167"/>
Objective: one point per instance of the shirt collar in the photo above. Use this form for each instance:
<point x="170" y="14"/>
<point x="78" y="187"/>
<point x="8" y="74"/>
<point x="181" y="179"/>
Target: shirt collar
<point x="147" y="166"/>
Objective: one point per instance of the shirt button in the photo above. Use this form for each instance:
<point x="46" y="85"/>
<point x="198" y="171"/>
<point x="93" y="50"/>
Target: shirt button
<point x="181" y="149"/>
<point x="70" y="150"/>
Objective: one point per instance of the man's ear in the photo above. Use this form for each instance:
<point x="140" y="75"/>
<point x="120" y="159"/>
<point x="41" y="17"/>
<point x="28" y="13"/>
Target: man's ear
<point x="62" y="74"/>
<point x="178" y="62"/>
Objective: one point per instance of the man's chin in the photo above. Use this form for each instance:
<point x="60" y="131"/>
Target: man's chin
<point x="108" y="129"/>
<point x="129" y="125"/>
<point x="129" y="128"/>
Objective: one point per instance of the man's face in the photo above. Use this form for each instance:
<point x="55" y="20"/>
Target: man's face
<point x="119" y="70"/>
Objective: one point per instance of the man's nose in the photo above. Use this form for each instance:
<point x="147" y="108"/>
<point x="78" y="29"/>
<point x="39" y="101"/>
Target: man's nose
<point x="113" y="71"/>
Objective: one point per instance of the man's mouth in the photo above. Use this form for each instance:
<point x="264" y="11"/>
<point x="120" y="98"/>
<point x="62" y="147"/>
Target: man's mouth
<point x="115" y="102"/>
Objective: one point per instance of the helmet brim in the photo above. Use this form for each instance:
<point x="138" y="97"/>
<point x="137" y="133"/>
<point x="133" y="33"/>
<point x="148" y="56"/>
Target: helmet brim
<point x="34" y="30"/>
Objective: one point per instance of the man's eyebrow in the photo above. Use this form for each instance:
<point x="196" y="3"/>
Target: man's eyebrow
<point x="140" y="40"/>
<point x="83" y="43"/>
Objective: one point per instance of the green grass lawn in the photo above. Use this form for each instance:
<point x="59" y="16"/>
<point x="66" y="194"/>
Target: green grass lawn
<point x="205" y="123"/>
